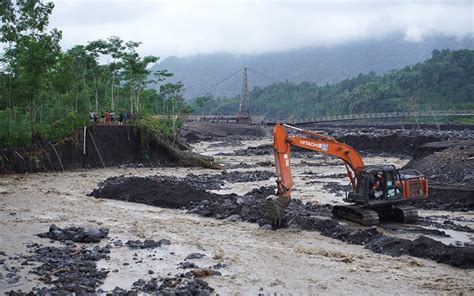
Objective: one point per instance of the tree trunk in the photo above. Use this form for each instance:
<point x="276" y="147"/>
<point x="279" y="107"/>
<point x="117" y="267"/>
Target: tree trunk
<point x="96" y="99"/>
<point x="138" y="99"/>
<point x="96" y="89"/>
<point x="112" y="103"/>
<point x="131" y="98"/>
<point x="174" y="114"/>
<point x="32" y="107"/>
<point x="77" y="97"/>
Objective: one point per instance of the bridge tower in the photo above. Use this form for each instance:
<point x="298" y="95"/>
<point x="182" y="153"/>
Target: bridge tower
<point x="244" y="108"/>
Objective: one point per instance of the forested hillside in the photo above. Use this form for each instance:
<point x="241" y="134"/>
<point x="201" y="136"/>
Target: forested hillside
<point x="46" y="92"/>
<point x="319" y="64"/>
<point x="445" y="81"/>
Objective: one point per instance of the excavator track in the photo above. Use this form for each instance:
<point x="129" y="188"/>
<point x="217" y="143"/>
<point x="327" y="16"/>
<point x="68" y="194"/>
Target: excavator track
<point x="405" y="213"/>
<point x="356" y="213"/>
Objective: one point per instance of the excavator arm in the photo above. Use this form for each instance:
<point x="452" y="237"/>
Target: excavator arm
<point x="282" y="143"/>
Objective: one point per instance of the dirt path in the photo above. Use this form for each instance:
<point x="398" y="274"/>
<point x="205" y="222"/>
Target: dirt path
<point x="284" y="261"/>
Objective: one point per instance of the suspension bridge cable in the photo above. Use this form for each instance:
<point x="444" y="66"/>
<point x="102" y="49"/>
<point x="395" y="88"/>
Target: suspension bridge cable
<point x="216" y="84"/>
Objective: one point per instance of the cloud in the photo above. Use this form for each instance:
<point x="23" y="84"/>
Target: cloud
<point x="188" y="27"/>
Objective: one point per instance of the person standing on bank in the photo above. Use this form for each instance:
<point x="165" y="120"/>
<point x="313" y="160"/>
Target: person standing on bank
<point x="94" y="116"/>
<point x="107" y="117"/>
<point x="125" y="116"/>
<point x="121" y="118"/>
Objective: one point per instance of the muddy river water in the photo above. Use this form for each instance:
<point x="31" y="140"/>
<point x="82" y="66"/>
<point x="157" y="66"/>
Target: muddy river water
<point x="257" y="260"/>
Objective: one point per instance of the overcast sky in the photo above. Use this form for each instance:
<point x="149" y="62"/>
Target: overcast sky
<point x="187" y="27"/>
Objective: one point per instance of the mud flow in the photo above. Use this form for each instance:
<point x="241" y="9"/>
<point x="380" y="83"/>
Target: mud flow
<point x="198" y="231"/>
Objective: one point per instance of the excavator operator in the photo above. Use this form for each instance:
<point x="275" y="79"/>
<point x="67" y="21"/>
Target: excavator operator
<point x="376" y="189"/>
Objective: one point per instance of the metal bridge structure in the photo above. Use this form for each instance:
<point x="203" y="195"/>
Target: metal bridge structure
<point x="335" y="118"/>
<point x="348" y="117"/>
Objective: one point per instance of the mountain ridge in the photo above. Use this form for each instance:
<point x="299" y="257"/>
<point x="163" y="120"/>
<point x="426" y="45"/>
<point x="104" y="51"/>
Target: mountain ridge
<point x="315" y="64"/>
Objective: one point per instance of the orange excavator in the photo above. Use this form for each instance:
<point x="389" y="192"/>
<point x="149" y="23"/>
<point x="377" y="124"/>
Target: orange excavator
<point x="377" y="192"/>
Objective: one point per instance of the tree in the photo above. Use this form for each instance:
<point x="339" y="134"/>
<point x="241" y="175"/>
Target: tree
<point x="46" y="92"/>
<point x="136" y="73"/>
<point x="32" y="51"/>
<point x="116" y="50"/>
<point x="175" y="106"/>
<point x="201" y="101"/>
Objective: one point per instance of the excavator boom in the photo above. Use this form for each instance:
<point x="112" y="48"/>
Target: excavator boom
<point x="282" y="143"/>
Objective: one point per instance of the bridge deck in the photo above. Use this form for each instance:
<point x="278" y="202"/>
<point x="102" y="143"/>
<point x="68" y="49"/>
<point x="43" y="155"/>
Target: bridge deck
<point x="434" y="113"/>
<point x="235" y="118"/>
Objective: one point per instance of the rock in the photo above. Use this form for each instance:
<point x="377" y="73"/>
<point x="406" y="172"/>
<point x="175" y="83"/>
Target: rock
<point x="187" y="264"/>
<point x="76" y="234"/>
<point x="91" y="236"/>
<point x="468" y="177"/>
<point x="233" y="218"/>
<point x="53" y="227"/>
<point x="219" y="265"/>
<point x="56" y="235"/>
<point x="194" y="256"/>
<point x="147" y="244"/>
<point x="164" y="242"/>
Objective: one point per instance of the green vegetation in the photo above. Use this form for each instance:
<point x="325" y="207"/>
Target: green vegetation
<point x="444" y="82"/>
<point x="46" y="92"/>
<point x="154" y="126"/>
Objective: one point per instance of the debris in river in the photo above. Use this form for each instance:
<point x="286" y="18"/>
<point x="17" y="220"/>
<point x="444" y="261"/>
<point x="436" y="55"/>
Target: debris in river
<point x="147" y="244"/>
<point x="75" y="234"/>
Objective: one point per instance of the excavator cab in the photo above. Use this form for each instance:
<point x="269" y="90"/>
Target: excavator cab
<point x="376" y="185"/>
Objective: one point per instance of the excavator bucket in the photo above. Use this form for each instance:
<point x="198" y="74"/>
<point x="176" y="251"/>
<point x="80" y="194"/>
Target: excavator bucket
<point x="275" y="207"/>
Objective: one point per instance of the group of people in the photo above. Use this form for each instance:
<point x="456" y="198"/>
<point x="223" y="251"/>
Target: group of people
<point x="109" y="117"/>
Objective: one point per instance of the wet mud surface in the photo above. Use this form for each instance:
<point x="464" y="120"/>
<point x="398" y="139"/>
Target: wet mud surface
<point x="232" y="133"/>
<point x="250" y="207"/>
<point x="204" y="231"/>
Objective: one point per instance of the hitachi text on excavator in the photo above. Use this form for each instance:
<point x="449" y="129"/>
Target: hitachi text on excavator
<point x="376" y="192"/>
